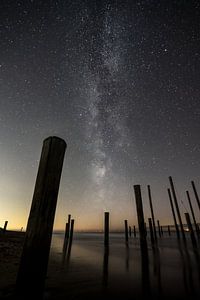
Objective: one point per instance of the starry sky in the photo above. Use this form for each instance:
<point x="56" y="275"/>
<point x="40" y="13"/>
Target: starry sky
<point x="119" y="81"/>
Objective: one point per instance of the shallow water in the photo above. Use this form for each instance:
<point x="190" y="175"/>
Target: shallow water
<point x="168" y="271"/>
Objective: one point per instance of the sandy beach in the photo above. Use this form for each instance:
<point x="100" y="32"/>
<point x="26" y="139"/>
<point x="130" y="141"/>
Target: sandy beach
<point x="91" y="272"/>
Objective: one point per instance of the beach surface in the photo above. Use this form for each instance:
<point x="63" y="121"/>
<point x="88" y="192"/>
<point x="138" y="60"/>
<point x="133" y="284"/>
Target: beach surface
<point x="171" y="270"/>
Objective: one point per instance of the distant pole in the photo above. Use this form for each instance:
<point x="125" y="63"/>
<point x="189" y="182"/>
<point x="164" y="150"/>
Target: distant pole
<point x="173" y="213"/>
<point x="177" y="207"/>
<point x="192" y="212"/>
<point x="140" y="216"/>
<point x="169" y="231"/>
<point x="5" y="226"/>
<point x="106" y="229"/>
<point x="71" y="232"/>
<point x="130" y="231"/>
<point x="152" y="212"/>
<point x="134" y="231"/>
<point x="196" y="194"/>
<point x="34" y="260"/>
<point x="159" y="229"/>
<point x="67" y="232"/>
<point x="66" y="238"/>
<point x="192" y="235"/>
<point x="126" y="230"/>
<point x="151" y="230"/>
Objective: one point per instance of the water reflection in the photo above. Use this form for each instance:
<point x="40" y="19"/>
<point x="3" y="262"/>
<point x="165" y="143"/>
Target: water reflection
<point x="105" y="266"/>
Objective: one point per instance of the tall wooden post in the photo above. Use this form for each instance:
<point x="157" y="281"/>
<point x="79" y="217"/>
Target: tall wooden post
<point x="152" y="212"/>
<point x="159" y="229"/>
<point x="106" y="229"/>
<point x="192" y="212"/>
<point x="192" y="235"/>
<point x="177" y="207"/>
<point x="140" y="215"/>
<point x="126" y="230"/>
<point x="196" y="194"/>
<point x="134" y="231"/>
<point x="5" y="226"/>
<point x="173" y="213"/>
<point x="34" y="260"/>
<point x="151" y="230"/>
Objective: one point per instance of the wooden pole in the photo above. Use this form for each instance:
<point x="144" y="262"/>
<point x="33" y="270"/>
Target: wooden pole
<point x="130" y="231"/>
<point x="152" y="212"/>
<point x="134" y="231"/>
<point x="173" y="213"/>
<point x="159" y="229"/>
<point x="196" y="194"/>
<point x="71" y="232"/>
<point x="106" y="229"/>
<point x="140" y="215"/>
<point x="192" y="212"/>
<point x="192" y="235"/>
<point x="169" y="231"/>
<point x="151" y="230"/>
<point x="5" y="226"/>
<point x="177" y="207"/>
<point x="34" y="260"/>
<point x="126" y="230"/>
<point x="66" y="238"/>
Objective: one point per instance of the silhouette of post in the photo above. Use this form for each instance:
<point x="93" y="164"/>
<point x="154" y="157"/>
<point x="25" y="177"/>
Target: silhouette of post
<point x="140" y="216"/>
<point x="169" y="231"/>
<point x="177" y="207"/>
<point x="5" y="226"/>
<point x="159" y="229"/>
<point x="151" y="230"/>
<point x="134" y="231"/>
<point x="192" y="212"/>
<point x="126" y="230"/>
<point x="152" y="212"/>
<point x="196" y="194"/>
<point x="66" y="236"/>
<point x="71" y="232"/>
<point x="34" y="260"/>
<point x="173" y="213"/>
<point x="106" y="229"/>
<point x="192" y="235"/>
<point x="130" y="231"/>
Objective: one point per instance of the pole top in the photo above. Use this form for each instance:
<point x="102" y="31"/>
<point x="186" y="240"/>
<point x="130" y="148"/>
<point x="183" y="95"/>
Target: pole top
<point x="55" y="138"/>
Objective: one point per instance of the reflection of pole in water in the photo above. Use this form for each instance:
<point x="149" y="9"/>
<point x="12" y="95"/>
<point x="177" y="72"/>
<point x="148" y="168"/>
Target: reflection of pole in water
<point x="143" y="241"/>
<point x="173" y="213"/>
<point x="192" y="235"/>
<point x="169" y="231"/>
<point x="151" y="230"/>
<point x="70" y="240"/>
<point x="105" y="266"/>
<point x="134" y="231"/>
<point x="157" y="268"/>
<point x="126" y="230"/>
<point x="106" y="228"/>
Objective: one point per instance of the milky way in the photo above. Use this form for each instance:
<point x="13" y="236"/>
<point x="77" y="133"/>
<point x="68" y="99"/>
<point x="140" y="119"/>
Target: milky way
<point x="119" y="81"/>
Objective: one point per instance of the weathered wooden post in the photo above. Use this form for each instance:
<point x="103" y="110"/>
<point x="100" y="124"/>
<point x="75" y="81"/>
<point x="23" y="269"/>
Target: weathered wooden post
<point x="192" y="235"/>
<point x="152" y="212"/>
<point x="196" y="194"/>
<point x="169" y="231"/>
<point x="140" y="215"/>
<point x="106" y="229"/>
<point x="5" y="226"/>
<point x="192" y="212"/>
<point x="134" y="231"/>
<point x="151" y="230"/>
<point x="159" y="229"/>
<point x="173" y="213"/>
<point x="126" y="230"/>
<point x="71" y="232"/>
<point x="66" y="236"/>
<point x="34" y="260"/>
<point x="177" y="207"/>
<point x="130" y="231"/>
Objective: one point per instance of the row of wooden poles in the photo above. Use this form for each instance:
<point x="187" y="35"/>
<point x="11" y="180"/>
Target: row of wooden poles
<point x="35" y="255"/>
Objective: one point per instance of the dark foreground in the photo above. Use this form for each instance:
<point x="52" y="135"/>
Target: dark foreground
<point x="171" y="270"/>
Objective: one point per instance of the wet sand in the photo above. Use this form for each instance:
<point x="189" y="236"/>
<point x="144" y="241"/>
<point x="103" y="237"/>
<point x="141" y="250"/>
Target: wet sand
<point x="171" y="272"/>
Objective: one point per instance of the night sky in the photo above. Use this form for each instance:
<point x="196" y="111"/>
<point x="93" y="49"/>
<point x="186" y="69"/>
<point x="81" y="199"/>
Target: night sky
<point x="119" y="81"/>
